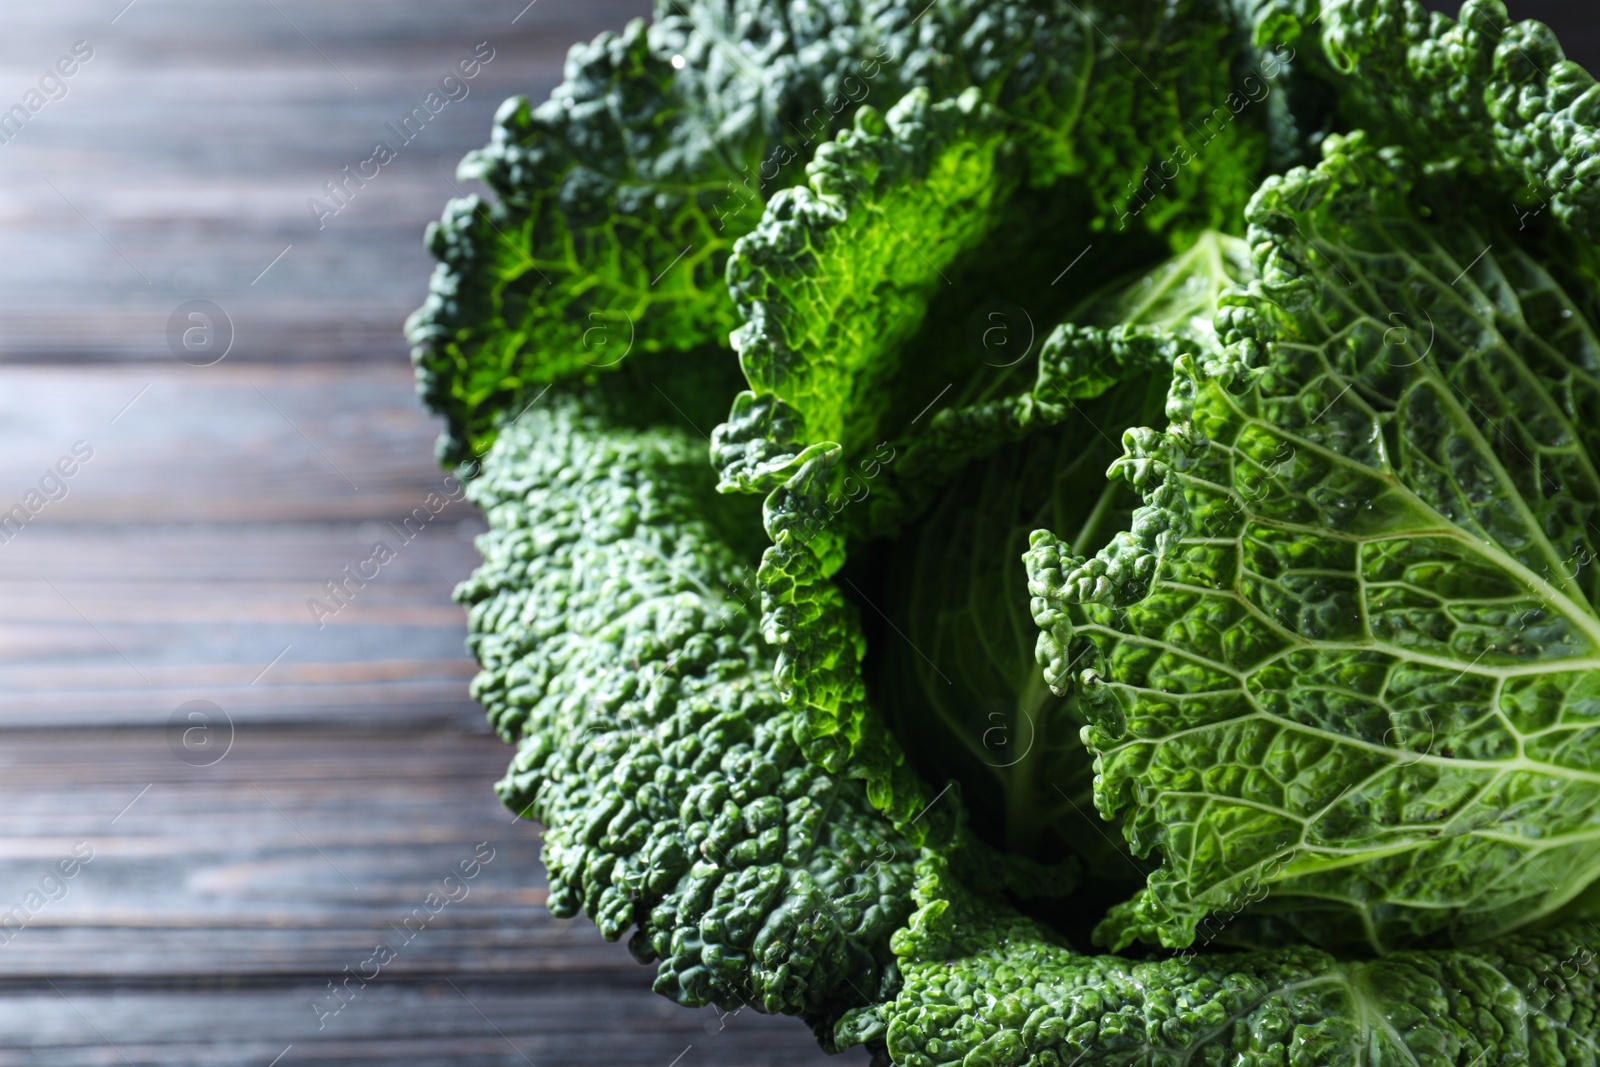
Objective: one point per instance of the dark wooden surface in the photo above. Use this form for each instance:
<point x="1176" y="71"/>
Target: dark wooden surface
<point x="221" y="899"/>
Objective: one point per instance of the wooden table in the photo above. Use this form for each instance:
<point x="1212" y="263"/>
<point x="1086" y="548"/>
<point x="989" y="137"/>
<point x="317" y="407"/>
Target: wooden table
<point x="222" y="897"/>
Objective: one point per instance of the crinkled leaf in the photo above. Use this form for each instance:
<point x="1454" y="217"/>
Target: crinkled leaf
<point x="986" y="986"/>
<point x="1478" y="97"/>
<point x="618" y="199"/>
<point x="1346" y="653"/>
<point x="619" y="644"/>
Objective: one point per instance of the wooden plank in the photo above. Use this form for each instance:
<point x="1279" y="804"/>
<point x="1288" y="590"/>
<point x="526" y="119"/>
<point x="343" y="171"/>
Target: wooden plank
<point x="211" y="555"/>
<point x="361" y="824"/>
<point x="219" y="121"/>
<point x="229" y="443"/>
<point x="190" y="557"/>
<point x="460" y="1022"/>
<point x="217" y="903"/>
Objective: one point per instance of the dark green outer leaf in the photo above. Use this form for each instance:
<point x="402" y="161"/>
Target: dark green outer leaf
<point x="1480" y="98"/>
<point x="983" y="986"/>
<point x="618" y="640"/>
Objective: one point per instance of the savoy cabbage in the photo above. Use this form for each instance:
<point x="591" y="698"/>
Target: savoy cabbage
<point x="1140" y="607"/>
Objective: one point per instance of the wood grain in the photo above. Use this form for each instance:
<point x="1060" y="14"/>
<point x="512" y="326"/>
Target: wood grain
<point x="221" y="900"/>
<point x="218" y="902"/>
<point x="181" y="160"/>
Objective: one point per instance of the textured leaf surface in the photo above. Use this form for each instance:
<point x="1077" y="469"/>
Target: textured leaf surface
<point x="831" y="285"/>
<point x="986" y="987"/>
<point x="815" y="278"/>
<point x="616" y="649"/>
<point x="1481" y="94"/>
<point x="618" y="199"/>
<point x="1347" y="651"/>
